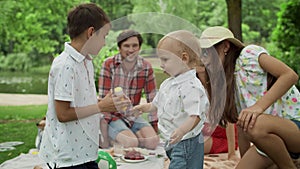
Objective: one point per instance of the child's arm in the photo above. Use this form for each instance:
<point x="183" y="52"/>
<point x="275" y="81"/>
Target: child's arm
<point x="187" y="126"/>
<point x="230" y="134"/>
<point x="147" y="107"/>
<point x="286" y="77"/>
<point x="66" y="113"/>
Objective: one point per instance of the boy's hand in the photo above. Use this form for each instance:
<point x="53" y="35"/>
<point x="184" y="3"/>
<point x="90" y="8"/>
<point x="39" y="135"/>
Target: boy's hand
<point x="112" y="104"/>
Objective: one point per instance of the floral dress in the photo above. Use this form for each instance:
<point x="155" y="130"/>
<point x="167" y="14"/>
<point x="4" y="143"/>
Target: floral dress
<point x="251" y="83"/>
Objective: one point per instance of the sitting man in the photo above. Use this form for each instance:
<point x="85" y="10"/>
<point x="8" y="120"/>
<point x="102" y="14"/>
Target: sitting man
<point x="135" y="75"/>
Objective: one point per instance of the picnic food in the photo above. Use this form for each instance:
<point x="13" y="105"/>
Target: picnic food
<point x="133" y="155"/>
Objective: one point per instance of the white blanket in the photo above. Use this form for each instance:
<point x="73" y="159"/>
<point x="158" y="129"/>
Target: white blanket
<point x="31" y="160"/>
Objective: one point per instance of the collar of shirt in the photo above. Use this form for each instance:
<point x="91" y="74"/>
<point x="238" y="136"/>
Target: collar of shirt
<point x="184" y="77"/>
<point x="73" y="52"/>
<point x="118" y="60"/>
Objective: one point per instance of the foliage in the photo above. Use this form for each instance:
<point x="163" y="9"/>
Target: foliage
<point x="37" y="29"/>
<point x="18" y="124"/>
<point x="260" y="17"/>
<point x="117" y="9"/>
<point x="15" y="62"/>
<point x="286" y="34"/>
<point x="174" y="16"/>
<point x="248" y="35"/>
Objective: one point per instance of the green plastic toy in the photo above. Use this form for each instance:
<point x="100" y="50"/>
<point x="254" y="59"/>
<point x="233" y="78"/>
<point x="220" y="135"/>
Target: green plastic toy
<point x="102" y="155"/>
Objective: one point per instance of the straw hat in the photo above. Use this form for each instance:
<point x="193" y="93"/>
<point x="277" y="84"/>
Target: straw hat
<point x="216" y="34"/>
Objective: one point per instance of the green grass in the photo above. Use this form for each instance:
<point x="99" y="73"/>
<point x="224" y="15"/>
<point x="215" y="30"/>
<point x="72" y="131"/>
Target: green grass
<point x="18" y="123"/>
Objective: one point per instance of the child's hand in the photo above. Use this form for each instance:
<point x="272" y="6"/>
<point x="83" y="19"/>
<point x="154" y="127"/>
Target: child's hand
<point x="248" y="117"/>
<point x="176" y="136"/>
<point x="141" y="108"/>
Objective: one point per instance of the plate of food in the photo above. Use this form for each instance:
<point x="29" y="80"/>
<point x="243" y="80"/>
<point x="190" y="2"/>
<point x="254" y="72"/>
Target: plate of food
<point x="133" y="156"/>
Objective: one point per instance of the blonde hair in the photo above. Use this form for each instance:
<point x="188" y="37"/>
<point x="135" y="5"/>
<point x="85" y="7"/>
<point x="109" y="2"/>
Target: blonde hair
<point x="184" y="41"/>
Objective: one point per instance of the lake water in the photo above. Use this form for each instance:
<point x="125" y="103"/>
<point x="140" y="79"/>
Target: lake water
<point x="37" y="83"/>
<point x="27" y="83"/>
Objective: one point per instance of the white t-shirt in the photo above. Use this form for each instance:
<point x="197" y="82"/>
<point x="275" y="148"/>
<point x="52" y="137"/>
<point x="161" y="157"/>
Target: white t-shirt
<point x="178" y="98"/>
<point x="71" y="143"/>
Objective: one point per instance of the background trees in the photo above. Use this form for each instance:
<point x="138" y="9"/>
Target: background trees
<point x="33" y="31"/>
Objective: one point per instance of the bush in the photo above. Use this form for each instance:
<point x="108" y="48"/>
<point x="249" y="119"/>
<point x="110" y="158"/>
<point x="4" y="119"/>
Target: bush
<point x="15" y="62"/>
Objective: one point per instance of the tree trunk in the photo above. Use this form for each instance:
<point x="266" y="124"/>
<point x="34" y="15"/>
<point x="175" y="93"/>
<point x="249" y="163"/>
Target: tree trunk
<point x="234" y="13"/>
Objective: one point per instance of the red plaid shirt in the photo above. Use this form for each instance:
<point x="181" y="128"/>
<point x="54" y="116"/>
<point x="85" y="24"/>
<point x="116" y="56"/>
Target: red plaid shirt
<point x="140" y="78"/>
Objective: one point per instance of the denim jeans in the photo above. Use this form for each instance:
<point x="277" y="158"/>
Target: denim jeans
<point x="187" y="154"/>
<point x="115" y="127"/>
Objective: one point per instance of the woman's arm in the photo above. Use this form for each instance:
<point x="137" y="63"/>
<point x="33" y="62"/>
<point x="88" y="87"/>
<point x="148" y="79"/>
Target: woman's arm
<point x="286" y="77"/>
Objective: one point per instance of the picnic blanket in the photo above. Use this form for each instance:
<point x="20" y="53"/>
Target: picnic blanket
<point x="32" y="161"/>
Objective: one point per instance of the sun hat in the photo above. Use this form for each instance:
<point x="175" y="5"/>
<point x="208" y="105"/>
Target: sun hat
<point x="216" y="34"/>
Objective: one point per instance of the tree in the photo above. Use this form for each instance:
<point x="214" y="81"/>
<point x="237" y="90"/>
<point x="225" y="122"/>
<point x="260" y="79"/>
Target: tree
<point x="36" y="28"/>
<point x="234" y="12"/>
<point x="286" y="34"/>
<point x="261" y="17"/>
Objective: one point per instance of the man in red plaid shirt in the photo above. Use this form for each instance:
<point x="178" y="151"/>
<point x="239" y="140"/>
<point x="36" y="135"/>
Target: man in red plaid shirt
<point x="135" y="75"/>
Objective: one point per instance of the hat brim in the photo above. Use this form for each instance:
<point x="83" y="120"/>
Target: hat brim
<point x="207" y="43"/>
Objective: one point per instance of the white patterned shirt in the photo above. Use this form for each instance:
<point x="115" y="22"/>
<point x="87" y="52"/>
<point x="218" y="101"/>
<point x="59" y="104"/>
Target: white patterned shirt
<point x="177" y="99"/>
<point x="71" y="143"/>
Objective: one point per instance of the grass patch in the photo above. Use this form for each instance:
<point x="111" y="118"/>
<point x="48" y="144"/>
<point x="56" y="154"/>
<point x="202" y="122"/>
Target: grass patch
<point x="18" y="123"/>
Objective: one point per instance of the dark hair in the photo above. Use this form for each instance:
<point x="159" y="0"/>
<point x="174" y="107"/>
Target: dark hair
<point x="230" y="111"/>
<point x="127" y="34"/>
<point x="84" y="16"/>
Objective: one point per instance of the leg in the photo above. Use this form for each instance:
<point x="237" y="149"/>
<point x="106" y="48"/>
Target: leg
<point x="253" y="160"/>
<point x="177" y="156"/>
<point x="276" y="136"/>
<point x="119" y="132"/>
<point x="127" y="138"/>
<point x="195" y="152"/>
<point x="148" y="137"/>
<point x="145" y="133"/>
<point x="244" y="143"/>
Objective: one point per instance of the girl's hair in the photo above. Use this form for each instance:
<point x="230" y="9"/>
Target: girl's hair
<point x="230" y="113"/>
<point x="84" y="16"/>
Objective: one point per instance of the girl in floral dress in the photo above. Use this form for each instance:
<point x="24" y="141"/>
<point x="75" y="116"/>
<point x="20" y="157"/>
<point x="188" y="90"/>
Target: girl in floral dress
<point x="261" y="98"/>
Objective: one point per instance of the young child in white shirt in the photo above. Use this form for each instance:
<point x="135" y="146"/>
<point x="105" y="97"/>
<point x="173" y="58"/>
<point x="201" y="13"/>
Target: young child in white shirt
<point x="181" y="102"/>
